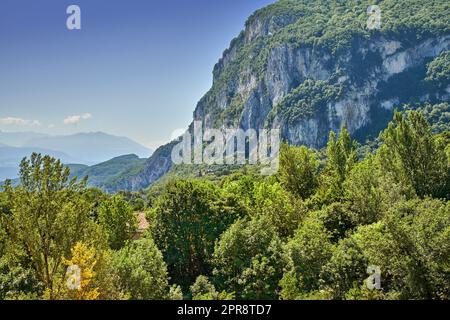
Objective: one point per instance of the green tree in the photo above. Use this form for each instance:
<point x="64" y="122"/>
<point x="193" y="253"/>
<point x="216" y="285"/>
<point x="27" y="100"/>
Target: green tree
<point x="248" y="259"/>
<point x="186" y="221"/>
<point x="420" y="230"/>
<point x="5" y="206"/>
<point x="95" y="197"/>
<point x="142" y="270"/>
<point x="407" y="245"/>
<point x="338" y="220"/>
<point x="438" y="70"/>
<point x="137" y="200"/>
<point x="341" y="157"/>
<point x="242" y="189"/>
<point x="370" y="192"/>
<point x="298" y="171"/>
<point x="175" y="293"/>
<point x="48" y="216"/>
<point x="307" y="252"/>
<point x="17" y="277"/>
<point x="414" y="156"/>
<point x="272" y="201"/>
<point x="347" y="268"/>
<point x="118" y="220"/>
<point x="202" y="289"/>
<point x="362" y="190"/>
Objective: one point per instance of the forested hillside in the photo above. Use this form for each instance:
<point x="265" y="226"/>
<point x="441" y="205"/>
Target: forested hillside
<point x="309" y="232"/>
<point x="362" y="189"/>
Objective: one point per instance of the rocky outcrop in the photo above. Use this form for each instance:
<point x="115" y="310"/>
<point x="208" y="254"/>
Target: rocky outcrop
<point x="155" y="167"/>
<point x="288" y="66"/>
<point x="307" y="88"/>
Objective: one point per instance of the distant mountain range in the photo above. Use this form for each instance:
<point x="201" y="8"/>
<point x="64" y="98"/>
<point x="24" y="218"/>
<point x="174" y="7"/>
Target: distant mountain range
<point x="81" y="148"/>
<point x="106" y="175"/>
<point x="90" y="148"/>
<point x="18" y="139"/>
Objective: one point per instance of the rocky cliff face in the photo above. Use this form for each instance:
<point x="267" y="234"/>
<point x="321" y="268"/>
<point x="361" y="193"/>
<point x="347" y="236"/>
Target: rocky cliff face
<point x="360" y="100"/>
<point x="155" y="167"/>
<point x="369" y="76"/>
<point x="291" y="71"/>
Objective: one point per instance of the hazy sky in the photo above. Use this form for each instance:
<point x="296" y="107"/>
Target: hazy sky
<point x="136" y="68"/>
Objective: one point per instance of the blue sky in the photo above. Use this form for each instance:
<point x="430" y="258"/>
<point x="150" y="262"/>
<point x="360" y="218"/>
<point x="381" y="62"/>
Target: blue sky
<point x="136" y="68"/>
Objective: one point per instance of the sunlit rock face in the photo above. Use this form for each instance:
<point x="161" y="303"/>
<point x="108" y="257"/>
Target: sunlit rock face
<point x="362" y="71"/>
<point x="267" y="78"/>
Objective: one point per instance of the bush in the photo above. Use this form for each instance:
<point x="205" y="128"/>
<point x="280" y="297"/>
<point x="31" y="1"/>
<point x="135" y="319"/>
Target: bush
<point x="142" y="271"/>
<point x="248" y="259"/>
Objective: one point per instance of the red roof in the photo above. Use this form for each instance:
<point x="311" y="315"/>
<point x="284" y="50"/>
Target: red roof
<point x="142" y="222"/>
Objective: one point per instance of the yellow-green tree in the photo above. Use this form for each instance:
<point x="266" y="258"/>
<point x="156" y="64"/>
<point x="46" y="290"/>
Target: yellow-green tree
<point x="83" y="257"/>
<point x="48" y="216"/>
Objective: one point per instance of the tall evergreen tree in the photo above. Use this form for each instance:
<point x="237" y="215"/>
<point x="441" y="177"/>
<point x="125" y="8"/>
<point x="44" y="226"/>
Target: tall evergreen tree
<point x="414" y="156"/>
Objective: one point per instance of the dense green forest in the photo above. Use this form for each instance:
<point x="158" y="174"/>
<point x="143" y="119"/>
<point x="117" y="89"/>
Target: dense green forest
<point x="309" y="232"/>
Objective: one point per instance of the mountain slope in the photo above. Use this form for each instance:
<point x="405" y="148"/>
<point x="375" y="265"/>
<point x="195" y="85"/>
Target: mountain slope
<point x="102" y="175"/>
<point x="18" y="139"/>
<point x="105" y="173"/>
<point x="153" y="168"/>
<point x="311" y="67"/>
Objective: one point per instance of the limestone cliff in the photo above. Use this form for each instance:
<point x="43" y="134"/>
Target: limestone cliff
<point x="311" y="67"/>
